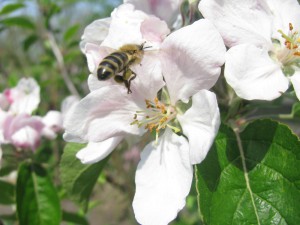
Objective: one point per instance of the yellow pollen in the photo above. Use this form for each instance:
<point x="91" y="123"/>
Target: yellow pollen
<point x="297" y="53"/>
<point x="155" y="117"/>
<point x="291" y="52"/>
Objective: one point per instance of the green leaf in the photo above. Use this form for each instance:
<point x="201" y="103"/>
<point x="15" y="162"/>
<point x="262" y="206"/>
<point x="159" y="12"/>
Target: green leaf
<point x="79" y="179"/>
<point x="10" y="8"/>
<point x="19" y="21"/>
<point x="30" y="40"/>
<point x="71" y="31"/>
<point x="37" y="200"/>
<point x="6" y="170"/>
<point x="252" y="177"/>
<point x="74" y="218"/>
<point x="7" y="191"/>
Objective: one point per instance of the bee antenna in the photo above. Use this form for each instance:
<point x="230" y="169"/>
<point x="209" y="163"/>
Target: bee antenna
<point x="147" y="47"/>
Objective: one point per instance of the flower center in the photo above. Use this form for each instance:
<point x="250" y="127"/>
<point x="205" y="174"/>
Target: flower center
<point x="156" y="117"/>
<point x="291" y="52"/>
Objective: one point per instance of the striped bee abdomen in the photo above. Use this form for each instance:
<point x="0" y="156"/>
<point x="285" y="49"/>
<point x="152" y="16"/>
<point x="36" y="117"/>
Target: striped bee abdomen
<point x="111" y="65"/>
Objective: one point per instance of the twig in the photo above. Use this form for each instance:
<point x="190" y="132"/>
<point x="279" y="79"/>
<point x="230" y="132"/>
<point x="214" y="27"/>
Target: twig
<point x="61" y="65"/>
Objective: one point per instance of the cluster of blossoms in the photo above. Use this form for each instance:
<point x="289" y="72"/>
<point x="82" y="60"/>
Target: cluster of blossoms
<point x="169" y="98"/>
<point x="17" y="124"/>
<point x="170" y="95"/>
<point x="264" y="41"/>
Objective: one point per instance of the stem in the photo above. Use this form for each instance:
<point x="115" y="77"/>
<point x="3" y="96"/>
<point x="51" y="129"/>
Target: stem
<point x="241" y="150"/>
<point x="61" y="64"/>
<point x="198" y="192"/>
<point x="273" y="116"/>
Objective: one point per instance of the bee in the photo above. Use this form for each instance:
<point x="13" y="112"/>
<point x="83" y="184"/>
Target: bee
<point x="120" y="62"/>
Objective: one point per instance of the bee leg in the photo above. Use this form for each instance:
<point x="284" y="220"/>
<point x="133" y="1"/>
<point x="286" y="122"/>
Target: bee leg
<point x="119" y="79"/>
<point x="128" y="76"/>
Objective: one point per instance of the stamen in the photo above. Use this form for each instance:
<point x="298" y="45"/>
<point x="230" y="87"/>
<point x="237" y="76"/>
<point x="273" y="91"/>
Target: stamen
<point x="288" y="55"/>
<point x="156" y="117"/>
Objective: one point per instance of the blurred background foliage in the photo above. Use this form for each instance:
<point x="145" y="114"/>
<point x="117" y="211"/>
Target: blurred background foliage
<point x="40" y="39"/>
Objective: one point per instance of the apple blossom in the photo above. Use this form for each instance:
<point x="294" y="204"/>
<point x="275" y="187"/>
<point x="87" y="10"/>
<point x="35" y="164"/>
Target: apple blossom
<point x="23" y="131"/>
<point x="264" y="39"/>
<point x="142" y="28"/>
<point x="53" y="122"/>
<point x="189" y="61"/>
<point x="25" y="97"/>
<point x="17" y="126"/>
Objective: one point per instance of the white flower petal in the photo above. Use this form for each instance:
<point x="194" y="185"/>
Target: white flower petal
<point x="54" y="120"/>
<point x="200" y="124"/>
<point x="68" y="103"/>
<point x="127" y="21"/>
<point x="104" y="113"/>
<point x="95" y="84"/>
<point x="163" y="180"/>
<point x="253" y="74"/>
<point x="26" y="137"/>
<point x="168" y="10"/>
<point x="295" y="79"/>
<point x="149" y="79"/>
<point x="240" y="22"/>
<point x="25" y="97"/>
<point x="96" y="151"/>
<point x="285" y="12"/>
<point x="191" y="59"/>
<point x="95" y="54"/>
<point x="95" y="32"/>
<point x="155" y="30"/>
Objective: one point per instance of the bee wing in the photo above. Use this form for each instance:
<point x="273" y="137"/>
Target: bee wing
<point x="94" y="54"/>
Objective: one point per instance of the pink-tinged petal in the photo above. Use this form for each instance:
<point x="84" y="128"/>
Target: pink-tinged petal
<point x="295" y="79"/>
<point x="191" y="59"/>
<point x="53" y="122"/>
<point x="149" y="79"/>
<point x="4" y="103"/>
<point x="96" y="151"/>
<point x="253" y="74"/>
<point x="26" y="137"/>
<point x="240" y="22"/>
<point x="104" y="113"/>
<point x="200" y="124"/>
<point x="168" y="10"/>
<point x="95" y="32"/>
<point x="25" y="97"/>
<point x="154" y="30"/>
<point x="14" y="123"/>
<point x="163" y="180"/>
<point x="125" y="21"/>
